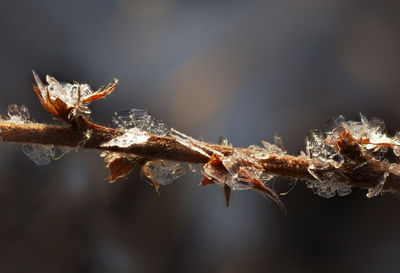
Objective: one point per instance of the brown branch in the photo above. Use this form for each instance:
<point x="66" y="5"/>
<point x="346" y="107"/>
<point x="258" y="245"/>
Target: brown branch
<point x="356" y="174"/>
<point x="350" y="155"/>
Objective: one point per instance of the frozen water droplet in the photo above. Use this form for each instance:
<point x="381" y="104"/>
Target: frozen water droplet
<point x="223" y="141"/>
<point x="164" y="172"/>
<point x="40" y="154"/>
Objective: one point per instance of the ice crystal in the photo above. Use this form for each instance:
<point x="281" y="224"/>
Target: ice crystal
<point x="268" y="149"/>
<point x="242" y="169"/>
<point x="328" y="184"/>
<point x="163" y="172"/>
<point x="372" y="192"/>
<point x="130" y="137"/>
<point x="137" y="118"/>
<point x="40" y="154"/>
<point x="320" y="148"/>
<point x="192" y="143"/>
<point x="328" y="189"/>
<point x="368" y="135"/>
<point x="223" y="141"/>
<point x="18" y="114"/>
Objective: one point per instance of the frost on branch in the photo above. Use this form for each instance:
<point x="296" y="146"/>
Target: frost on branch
<point x="138" y="126"/>
<point x="241" y="171"/>
<point x="139" y="119"/>
<point x="40" y="154"/>
<point x="162" y="172"/>
<point x="350" y="154"/>
<point x="359" y="142"/>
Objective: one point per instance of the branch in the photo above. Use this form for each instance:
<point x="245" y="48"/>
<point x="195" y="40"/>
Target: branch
<point x="350" y="155"/>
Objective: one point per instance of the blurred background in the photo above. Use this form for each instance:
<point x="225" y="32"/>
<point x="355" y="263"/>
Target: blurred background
<point x="243" y="69"/>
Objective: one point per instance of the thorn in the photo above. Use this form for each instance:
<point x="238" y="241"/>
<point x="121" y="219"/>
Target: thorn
<point x="227" y="192"/>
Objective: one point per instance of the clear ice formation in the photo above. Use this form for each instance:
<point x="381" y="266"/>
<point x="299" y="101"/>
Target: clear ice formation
<point x="370" y="136"/>
<point x="140" y="119"/>
<point x="40" y="154"/>
<point x="138" y="126"/>
<point x="243" y="167"/>
<point x="242" y="170"/>
<point x="18" y="114"/>
<point x="192" y="143"/>
<point x="164" y="172"/>
<point x="130" y="137"/>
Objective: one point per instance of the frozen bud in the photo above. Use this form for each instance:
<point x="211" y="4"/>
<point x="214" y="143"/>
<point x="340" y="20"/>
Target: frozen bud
<point x="65" y="100"/>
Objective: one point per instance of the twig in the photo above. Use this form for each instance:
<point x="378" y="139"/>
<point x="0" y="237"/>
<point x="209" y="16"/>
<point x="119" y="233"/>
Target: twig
<point x="351" y="155"/>
<point x="168" y="148"/>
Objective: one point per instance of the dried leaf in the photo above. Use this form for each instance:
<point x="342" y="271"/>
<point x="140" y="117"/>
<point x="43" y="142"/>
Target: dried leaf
<point x="120" y="167"/>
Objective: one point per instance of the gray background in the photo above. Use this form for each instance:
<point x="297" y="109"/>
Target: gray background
<point x="243" y="69"/>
